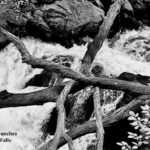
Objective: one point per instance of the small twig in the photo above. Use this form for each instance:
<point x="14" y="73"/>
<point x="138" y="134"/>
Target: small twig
<point x="99" y="123"/>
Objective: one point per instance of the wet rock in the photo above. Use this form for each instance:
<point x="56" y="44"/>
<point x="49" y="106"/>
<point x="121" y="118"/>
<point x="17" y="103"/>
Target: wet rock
<point x="97" y="70"/>
<point x="64" y="22"/>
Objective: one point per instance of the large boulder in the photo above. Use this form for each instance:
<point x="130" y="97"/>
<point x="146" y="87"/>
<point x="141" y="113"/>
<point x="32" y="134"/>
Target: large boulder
<point x="64" y="22"/>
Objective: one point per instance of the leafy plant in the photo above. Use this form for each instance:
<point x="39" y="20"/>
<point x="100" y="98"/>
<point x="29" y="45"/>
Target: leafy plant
<point x="140" y="123"/>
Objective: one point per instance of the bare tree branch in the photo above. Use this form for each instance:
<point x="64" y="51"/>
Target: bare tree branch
<point x="99" y="124"/>
<point x="102" y="82"/>
<point x="60" y="136"/>
<point x="60" y="130"/>
<point x="92" y="49"/>
<point x="121" y="113"/>
<point x="69" y="140"/>
<point x="33" y="98"/>
<point x="104" y="29"/>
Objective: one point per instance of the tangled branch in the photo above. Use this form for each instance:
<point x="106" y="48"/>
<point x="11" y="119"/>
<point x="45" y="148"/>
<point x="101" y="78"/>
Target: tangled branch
<point x="83" y="76"/>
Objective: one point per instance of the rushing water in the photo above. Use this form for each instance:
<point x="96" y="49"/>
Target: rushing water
<point x="128" y="53"/>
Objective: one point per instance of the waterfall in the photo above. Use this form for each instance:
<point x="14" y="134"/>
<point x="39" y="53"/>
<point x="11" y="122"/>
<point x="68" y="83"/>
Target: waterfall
<point x="129" y="53"/>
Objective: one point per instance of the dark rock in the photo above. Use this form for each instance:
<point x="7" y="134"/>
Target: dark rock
<point x="141" y="10"/>
<point x="49" y="125"/>
<point x="91" y="147"/>
<point x="135" y="78"/>
<point x="4" y="94"/>
<point x="117" y="133"/>
<point x="67" y="22"/>
<point x="41" y="80"/>
<point x="143" y="79"/>
<point x="127" y="76"/>
<point x="97" y="70"/>
<point x="64" y="22"/>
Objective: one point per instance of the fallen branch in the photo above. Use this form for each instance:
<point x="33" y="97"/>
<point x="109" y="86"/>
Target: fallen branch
<point x="106" y="83"/>
<point x="104" y="29"/>
<point x="99" y="124"/>
<point x="91" y="52"/>
<point x="121" y="113"/>
<point x="60" y="130"/>
<point x="33" y="98"/>
<point x="93" y="48"/>
<point x="86" y="64"/>
<point x="46" y="95"/>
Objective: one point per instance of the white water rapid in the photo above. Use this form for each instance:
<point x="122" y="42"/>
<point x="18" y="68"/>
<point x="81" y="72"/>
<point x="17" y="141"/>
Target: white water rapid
<point x="130" y="53"/>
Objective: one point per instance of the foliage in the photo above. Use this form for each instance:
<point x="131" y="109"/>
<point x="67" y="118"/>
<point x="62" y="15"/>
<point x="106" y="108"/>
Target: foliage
<point x="140" y="123"/>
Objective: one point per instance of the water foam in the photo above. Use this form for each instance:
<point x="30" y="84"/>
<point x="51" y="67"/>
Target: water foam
<point x="26" y="121"/>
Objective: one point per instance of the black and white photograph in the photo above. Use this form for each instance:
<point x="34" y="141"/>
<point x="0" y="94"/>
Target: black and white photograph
<point x="74" y="74"/>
